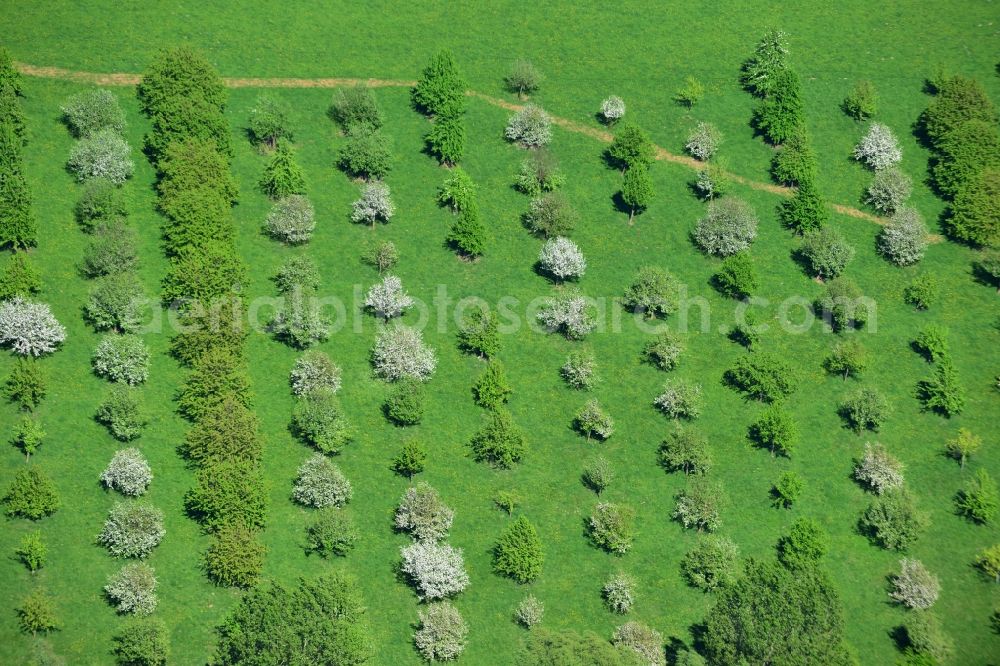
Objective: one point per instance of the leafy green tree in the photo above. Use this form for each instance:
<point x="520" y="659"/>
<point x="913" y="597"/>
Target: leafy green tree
<point x="760" y="71"/>
<point x="19" y="278"/>
<point x="781" y="112"/>
<point x="975" y="213"/>
<point x="18" y="226"/>
<point x="551" y="215"/>
<point x="446" y="139"/>
<point x="217" y="374"/>
<point x="31" y="494"/>
<point x="180" y="72"/>
<point x="227" y="431"/>
<point x="11" y="113"/>
<point x="843" y="306"/>
<point x="685" y="450"/>
<point x="943" y="393"/>
<point x="36" y="614"/>
<point x="142" y="642"/>
<point x="690" y="92"/>
<point x="787" y="489"/>
<point x="631" y="148"/>
<point x="191" y="164"/>
<point x="468" y="233"/>
<point x="492" y="389"/>
<point x="411" y="459"/>
<point x="923" y="292"/>
<point x="737" y="276"/>
<point x="932" y="343"/>
<point x="612" y="527"/>
<point x="100" y="201"/>
<point x="637" y="190"/>
<point x="458" y="191"/>
<point x="862" y="102"/>
<point x="367" y="153"/>
<point x="866" y="410"/>
<point x="27" y="384"/>
<point x="28" y="436"/>
<point x="963" y="153"/>
<point x="32" y="551"/>
<point x="332" y="532"/>
<point x="958" y="100"/>
<point x="598" y="474"/>
<point x="320" y="421"/>
<point x="235" y="557"/>
<point x="773" y="615"/>
<point x="500" y="442"/>
<point x="441" y="88"/>
<point x="699" y="505"/>
<point x="926" y="641"/>
<point x="712" y="564"/>
<point x="593" y="421"/>
<point x="988" y="562"/>
<point x="282" y="176"/>
<point x="664" y="351"/>
<point x="964" y="445"/>
<point x="228" y="494"/>
<point x="9" y="76"/>
<point x="545" y="647"/>
<point x="11" y="146"/>
<point x="405" y="404"/>
<point x="776" y="430"/>
<point x="653" y="292"/>
<point x="523" y="78"/>
<point x="479" y="333"/>
<point x="979" y="501"/>
<point x="269" y="122"/>
<point x="356" y="107"/>
<point x="795" y="162"/>
<point x="892" y="520"/>
<point x="321" y="620"/>
<point x="848" y="357"/>
<point x="762" y="376"/>
<point x="805" y="211"/>
<point x="539" y="173"/>
<point x="805" y="544"/>
<point x="518" y="553"/>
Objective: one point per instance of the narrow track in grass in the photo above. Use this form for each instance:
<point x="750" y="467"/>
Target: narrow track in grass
<point x="125" y="79"/>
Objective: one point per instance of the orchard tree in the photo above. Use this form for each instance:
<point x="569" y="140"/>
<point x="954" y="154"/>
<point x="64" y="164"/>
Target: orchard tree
<point x="319" y="420"/>
<point x="889" y="190"/>
<point x="291" y="220"/>
<point x="712" y="564"/>
<point x="117" y="303"/>
<point x="530" y="127"/>
<point x="963" y="445"/>
<point x="804" y="546"/>
<point x="550" y="215"/>
<point x="570" y="313"/>
<point x="943" y="393"/>
<point x="29" y="328"/>
<point x="27" y="384"/>
<point x="598" y="474"/>
<point x="32" y="551"/>
<point x="355" y="107"/>
<point x="446" y="139"/>
<point x="562" y="259"/>
<point x="319" y="483"/>
<point x="892" y="520"/>
<point x="19" y="278"/>
<point x="703" y="141"/>
<point x="619" y="593"/>
<point x="423" y="514"/>
<point x="843" y="306"/>
<point x="399" y="352"/>
<point x="612" y="527"/>
<point x="865" y="410"/>
<point x="827" y="252"/>
<point x="698" y="505"/>
<point x="479" y="333"/>
<point x="988" y="562"/>
<point x="132" y="529"/>
<point x="269" y="122"/>
<point x="787" y="489"/>
<point x="441" y="633"/>
<point x="762" y="376"/>
<point x="143" y="642"/>
<point x="121" y="358"/>
<point x="681" y="399"/>
<point x="593" y="421"/>
<point x="441" y="88"/>
<point x="388" y="299"/>
<point x="862" y="102"/>
<point x="411" y="459"/>
<point x="104" y="155"/>
<point x="637" y="190"/>
<point x="518" y="552"/>
<point x="28" y="436"/>
<point x="128" y="473"/>
<point x="776" y="431"/>
<point x="529" y="612"/>
<point x="631" y="148"/>
<point x="685" y="450"/>
<point x="538" y="174"/>
<point x="331" y="532"/>
<point x="640" y="642"/>
<point x="664" y="351"/>
<point x="690" y="92"/>
<point x="375" y="205"/>
<point x="878" y="470"/>
<point x="653" y="292"/>
<point x="405" y="404"/>
<point x="728" y="227"/>
<point x="523" y="78"/>
<point x="437" y="571"/>
<point x="878" y="148"/>
<point x="35" y="614"/>
<point x="903" y="240"/>
<point x="457" y="192"/>
<point x="133" y="589"/>
<point x="312" y="371"/>
<point x="848" y="357"/>
<point x="381" y="256"/>
<point x="979" y="500"/>
<point x="769" y="59"/>
<point x="366" y="154"/>
<point x="914" y="586"/>
<point x="580" y="370"/>
<point x="781" y="112"/>
<point x="31" y="495"/>
<point x="737" y="276"/>
<point x="922" y="292"/>
<point x="500" y="442"/>
<point x="805" y="211"/>
<point x="612" y="109"/>
<point x="492" y="390"/>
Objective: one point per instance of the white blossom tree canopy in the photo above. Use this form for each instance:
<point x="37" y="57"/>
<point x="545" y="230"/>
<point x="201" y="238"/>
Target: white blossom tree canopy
<point x="29" y="328"/>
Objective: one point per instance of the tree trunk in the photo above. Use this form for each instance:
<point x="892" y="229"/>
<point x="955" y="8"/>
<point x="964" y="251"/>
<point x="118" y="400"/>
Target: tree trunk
<point x="631" y="214"/>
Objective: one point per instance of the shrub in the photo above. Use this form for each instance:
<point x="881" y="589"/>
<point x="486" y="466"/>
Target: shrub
<point x="598" y="474"/>
<point x="737" y="276"/>
<point x="87" y="113"/>
<point x="128" y="473"/>
<point x="320" y="484"/>
<point x="903" y="240"/>
<point x="568" y="312"/>
<point x="375" y="205"/>
<point x="703" y="141"/>
<point x="646" y="642"/>
<point x="298" y="273"/>
<point x="878" y="148"/>
<point x="550" y="215"/>
<point x="787" y="489"/>
<point x="405" y="404"/>
<point x="762" y="376"/>
<point x="382" y="256"/>
<point x="681" y="399"/>
<point x="26" y="384"/>
<point x="478" y="333"/>
<point x="914" y="586"/>
<point x="228" y="493"/>
<point x="926" y="640"/>
<point x="122" y="358"/>
<point x="685" y="450"/>
<point x="132" y="529"/>
<point x="319" y="420"/>
<point x="367" y="154"/>
<point x="746" y="332"/>
<point x="19" y="278"/>
<point x="612" y="109"/>
<point x="282" y="177"/>
<point x="387" y="299"/>
<point x="776" y="430"/>
<point x="795" y="161"/>
<point x="423" y="513"/>
<point x="31" y="495"/>
<point x="712" y="181"/>
<point x="713" y="563"/>
<point x="441" y="88"/>
<point x="892" y="520"/>
<point x="518" y="552"/>
<point x="400" y="352"/>
<point x="631" y="148"/>
<point x="932" y="342"/>
<point x="468" y="234"/>
<point x="298" y="320"/>
<point x="105" y="154"/>
<point x="988" y="561"/>
<point x="269" y="122"/>
<point x="619" y="593"/>
<point x="865" y="410"/>
<point x="979" y="501"/>
<point x="458" y="191"/>
<point x="827" y="252"/>
<point x="133" y="589"/>
<point x="18" y="226"/>
<point x="506" y="501"/>
<point x="988" y="267"/>
<point x="235" y="557"/>
<point x="664" y="351"/>
<point x="805" y="544"/>
<point x="889" y="190"/>
<point x="580" y="370"/>
<point x="843" y="306"/>
<point x="500" y="442"/>
<point x="492" y="390"/>
<point x="539" y="173"/>
<point x="529" y="612"/>
<point x="355" y="107"/>
<point x="32" y="551"/>
<point x="436" y="570"/>
<point x="781" y="112"/>
<point x="963" y="445"/>
<point x="523" y="78"/>
<point x="35" y="614"/>
<point x="441" y="634"/>
<point x="805" y="211"/>
<point x="331" y="532"/>
<point x="117" y="303"/>
<point x="690" y="93"/>
<point x="943" y="393"/>
<point x="143" y="642"/>
<point x="593" y="421"/>
<point x="562" y="259"/>
<point x="531" y="127"/>
<point x="975" y="213"/>
<point x="878" y="470"/>
<point x="28" y="436"/>
<point x="410" y="460"/>
<point x="653" y="292"/>
<point x="612" y="527"/>
<point x="768" y="60"/>
<point x="922" y="292"/>
<point x="291" y="220"/>
<point x="862" y="102"/>
<point x="112" y="249"/>
<point x="730" y="226"/>
<point x="29" y="328"/>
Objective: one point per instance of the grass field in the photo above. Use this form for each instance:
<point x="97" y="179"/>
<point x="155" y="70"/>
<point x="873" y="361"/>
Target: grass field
<point x="641" y="55"/>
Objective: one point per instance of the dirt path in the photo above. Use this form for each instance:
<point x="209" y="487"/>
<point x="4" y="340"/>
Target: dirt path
<point x="123" y="79"/>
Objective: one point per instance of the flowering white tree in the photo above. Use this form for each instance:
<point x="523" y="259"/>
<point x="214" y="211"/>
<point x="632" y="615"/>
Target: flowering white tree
<point x="646" y="642"/>
<point x="569" y="312"/>
<point x="29" y="328"/>
<point x="128" y="473"/>
<point x="619" y="593"/>
<point x="436" y="570"/>
<point x="729" y="226"/>
<point x="375" y="204"/>
<point x="879" y="470"/>
<point x="105" y="154"/>
<point x="292" y="220"/>
<point x="314" y="370"/>
<point x="904" y="240"/>
<point x="613" y="109"/>
<point x="914" y="586"/>
<point x="529" y="612"/>
<point x="132" y="529"/>
<point x="680" y="399"/>
<point x="133" y="589"/>
<point x="878" y="148"/>
<point x="562" y="258"/>
<point x="530" y="126"/>
<point x="441" y="634"/>
<point x="422" y="513"/>
<point x="703" y="141"/>
<point x="122" y="358"/>
<point x="400" y="352"/>
<point x="320" y="483"/>
<point x="889" y="190"/>
<point x="387" y="298"/>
